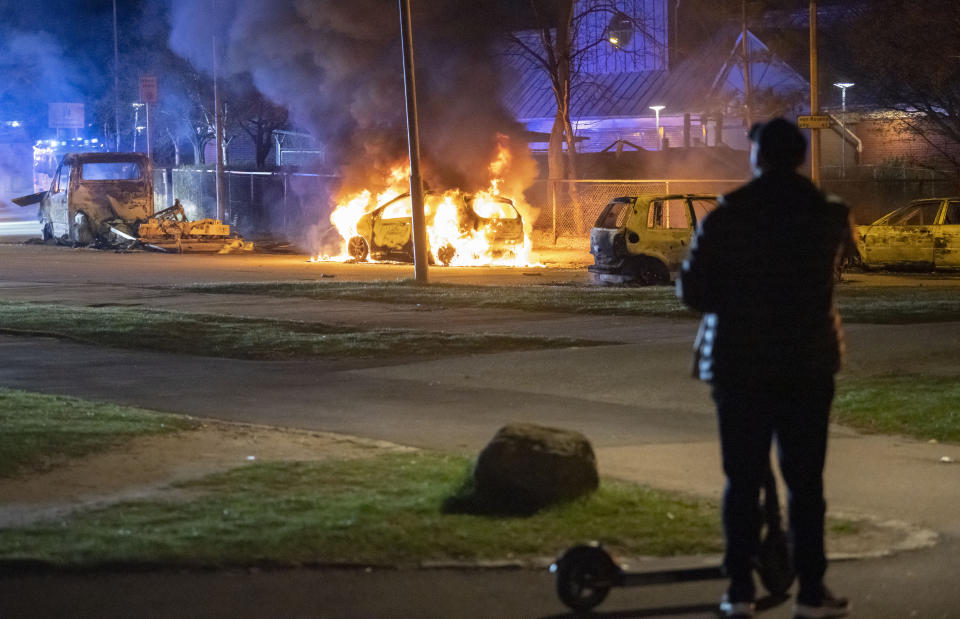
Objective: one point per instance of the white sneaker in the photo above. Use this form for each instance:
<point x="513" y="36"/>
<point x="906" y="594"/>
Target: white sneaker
<point x="735" y="610"/>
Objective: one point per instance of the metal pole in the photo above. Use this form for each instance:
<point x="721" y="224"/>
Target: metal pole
<point x="149" y="135"/>
<point x="413" y="141"/>
<point x="136" y="123"/>
<point x="814" y="96"/>
<point x="553" y="201"/>
<point x="746" y="63"/>
<point x="116" y="80"/>
<point x="843" y="132"/>
<point x="659" y="139"/>
<point x="221" y="213"/>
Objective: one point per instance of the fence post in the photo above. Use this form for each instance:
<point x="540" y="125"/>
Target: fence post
<point x="283" y="200"/>
<point x="552" y="188"/>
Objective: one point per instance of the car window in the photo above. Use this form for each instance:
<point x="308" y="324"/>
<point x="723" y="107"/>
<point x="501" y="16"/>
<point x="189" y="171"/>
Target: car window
<point x="614" y="215"/>
<point x="63" y="178"/>
<point x="110" y="171"/>
<point x="919" y="214"/>
<point x="702" y="206"/>
<point x="494" y="209"/>
<point x="952" y="217"/>
<point x="668" y="214"/>
<point x="399" y="209"/>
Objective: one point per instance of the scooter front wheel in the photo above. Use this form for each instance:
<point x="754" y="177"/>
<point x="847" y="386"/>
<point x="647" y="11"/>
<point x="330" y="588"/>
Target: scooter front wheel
<point x="584" y="577"/>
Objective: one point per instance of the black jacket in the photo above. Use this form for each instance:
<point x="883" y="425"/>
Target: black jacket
<point x="761" y="268"/>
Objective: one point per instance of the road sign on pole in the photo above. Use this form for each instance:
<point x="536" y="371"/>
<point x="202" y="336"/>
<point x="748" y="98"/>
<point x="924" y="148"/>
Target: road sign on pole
<point x="816" y="121"/>
<point x="65" y="115"/>
<point x="148" y="89"/>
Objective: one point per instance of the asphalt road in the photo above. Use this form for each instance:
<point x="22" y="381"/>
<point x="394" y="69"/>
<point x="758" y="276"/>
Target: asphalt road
<point x="632" y="397"/>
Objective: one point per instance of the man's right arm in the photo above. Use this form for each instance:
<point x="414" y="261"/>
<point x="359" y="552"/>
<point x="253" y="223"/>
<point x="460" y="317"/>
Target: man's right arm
<point x="698" y="278"/>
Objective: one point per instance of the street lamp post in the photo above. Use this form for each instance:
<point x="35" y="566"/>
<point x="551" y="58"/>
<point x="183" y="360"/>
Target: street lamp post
<point x="843" y="125"/>
<point x="420" y="271"/>
<point x="656" y="110"/>
<point x="136" y="123"/>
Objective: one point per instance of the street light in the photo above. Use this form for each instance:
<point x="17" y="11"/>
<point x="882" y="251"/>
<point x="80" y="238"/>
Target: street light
<point x="136" y="123"/>
<point x="656" y="110"/>
<point x="843" y="124"/>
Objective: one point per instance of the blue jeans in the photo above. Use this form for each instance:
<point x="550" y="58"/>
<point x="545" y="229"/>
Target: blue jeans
<point x="795" y="410"/>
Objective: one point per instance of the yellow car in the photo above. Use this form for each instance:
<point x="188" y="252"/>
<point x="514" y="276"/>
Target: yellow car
<point x="923" y="235"/>
<point x="644" y="239"/>
<point x="386" y="232"/>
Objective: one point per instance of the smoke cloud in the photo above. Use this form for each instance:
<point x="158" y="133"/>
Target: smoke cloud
<point x="32" y="64"/>
<point x="337" y="67"/>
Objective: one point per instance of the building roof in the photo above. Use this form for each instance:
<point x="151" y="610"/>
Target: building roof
<point x="690" y="87"/>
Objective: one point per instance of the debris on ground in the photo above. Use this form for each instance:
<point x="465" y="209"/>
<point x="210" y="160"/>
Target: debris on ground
<point x="170" y="230"/>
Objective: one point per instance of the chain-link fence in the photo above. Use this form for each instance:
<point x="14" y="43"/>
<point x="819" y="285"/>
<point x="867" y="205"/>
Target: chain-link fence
<point x="874" y="191"/>
<point x="257" y="204"/>
<point x="260" y="204"/>
<point x="569" y="208"/>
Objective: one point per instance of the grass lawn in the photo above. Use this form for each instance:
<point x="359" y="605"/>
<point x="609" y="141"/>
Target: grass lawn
<point x="381" y="510"/>
<point x="37" y="431"/>
<point x="215" y="335"/>
<point x="922" y="406"/>
<point x="899" y="304"/>
<point x="867" y="304"/>
<point x="580" y="299"/>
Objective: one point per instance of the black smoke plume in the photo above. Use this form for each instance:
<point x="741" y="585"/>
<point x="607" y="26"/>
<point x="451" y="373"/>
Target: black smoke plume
<point x="337" y="66"/>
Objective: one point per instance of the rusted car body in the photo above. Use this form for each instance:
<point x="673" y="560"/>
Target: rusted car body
<point x="644" y="239"/>
<point x="386" y="232"/>
<point x="923" y="235"/>
<point x="91" y="192"/>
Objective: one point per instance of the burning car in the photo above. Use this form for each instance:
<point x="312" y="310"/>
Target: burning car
<point x="923" y="235"/>
<point x="644" y="239"/>
<point x="91" y="190"/>
<point x="460" y="226"/>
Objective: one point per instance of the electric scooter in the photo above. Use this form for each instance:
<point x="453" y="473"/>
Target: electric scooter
<point x="587" y="572"/>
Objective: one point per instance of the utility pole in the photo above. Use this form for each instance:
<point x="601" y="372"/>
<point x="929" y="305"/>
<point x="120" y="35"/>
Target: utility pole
<point x="149" y="135"/>
<point x="746" y="63"/>
<point x="814" y="97"/>
<point x="413" y="142"/>
<point x="218" y="127"/>
<point x="116" y="80"/>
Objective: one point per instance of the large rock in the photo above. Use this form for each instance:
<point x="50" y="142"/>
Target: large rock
<point x="526" y="467"/>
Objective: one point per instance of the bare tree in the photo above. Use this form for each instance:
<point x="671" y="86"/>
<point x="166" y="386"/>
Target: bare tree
<point x="907" y="60"/>
<point x="259" y="118"/>
<point x="558" y="45"/>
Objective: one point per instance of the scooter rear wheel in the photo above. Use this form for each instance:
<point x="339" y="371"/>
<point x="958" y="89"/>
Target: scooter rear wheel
<point x="775" y="568"/>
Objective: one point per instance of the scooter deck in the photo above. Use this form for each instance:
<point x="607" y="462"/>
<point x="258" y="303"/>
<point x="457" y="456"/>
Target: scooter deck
<point x="637" y="579"/>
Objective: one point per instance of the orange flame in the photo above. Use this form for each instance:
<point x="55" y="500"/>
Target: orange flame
<point x="453" y="239"/>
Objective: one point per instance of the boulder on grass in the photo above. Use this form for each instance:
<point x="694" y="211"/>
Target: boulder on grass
<point x="526" y="467"/>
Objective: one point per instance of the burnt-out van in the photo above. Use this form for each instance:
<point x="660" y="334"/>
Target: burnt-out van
<point x="92" y="191"/>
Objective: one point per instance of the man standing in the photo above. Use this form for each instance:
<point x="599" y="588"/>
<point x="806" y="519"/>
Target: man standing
<point x="761" y="268"/>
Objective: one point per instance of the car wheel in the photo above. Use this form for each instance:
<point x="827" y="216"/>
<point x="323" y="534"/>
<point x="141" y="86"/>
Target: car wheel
<point x="446" y="254"/>
<point x="357" y="248"/>
<point x="850" y="262"/>
<point x="46" y="233"/>
<point x="646" y="271"/>
<point x="82" y="234"/>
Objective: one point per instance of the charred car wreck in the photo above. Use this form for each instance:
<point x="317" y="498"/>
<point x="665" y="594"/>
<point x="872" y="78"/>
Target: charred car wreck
<point x="923" y="235"/>
<point x="106" y="199"/>
<point x="644" y="239"/>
